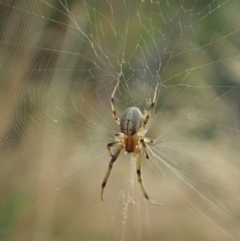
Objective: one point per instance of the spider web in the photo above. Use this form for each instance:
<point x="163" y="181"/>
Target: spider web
<point x="60" y="61"/>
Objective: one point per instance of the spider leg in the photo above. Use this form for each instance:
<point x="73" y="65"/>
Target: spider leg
<point x="148" y="140"/>
<point x="114" y="158"/>
<point x="112" y="105"/>
<point x="147" y="117"/>
<point x="138" y="166"/>
<point x="111" y="144"/>
<point x="142" y="141"/>
<point x="118" y="134"/>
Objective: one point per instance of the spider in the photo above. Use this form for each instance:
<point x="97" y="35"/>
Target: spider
<point x="133" y="125"/>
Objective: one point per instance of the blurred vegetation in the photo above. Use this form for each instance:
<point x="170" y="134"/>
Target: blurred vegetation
<point x="58" y="68"/>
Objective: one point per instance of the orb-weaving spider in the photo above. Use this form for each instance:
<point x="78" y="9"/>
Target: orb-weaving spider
<point x="133" y="125"/>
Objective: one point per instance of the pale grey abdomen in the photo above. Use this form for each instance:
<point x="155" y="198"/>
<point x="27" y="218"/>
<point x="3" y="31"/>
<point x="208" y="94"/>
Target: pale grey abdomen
<point x="131" y="121"/>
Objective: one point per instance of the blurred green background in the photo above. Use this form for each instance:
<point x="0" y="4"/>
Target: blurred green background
<point x="60" y="61"/>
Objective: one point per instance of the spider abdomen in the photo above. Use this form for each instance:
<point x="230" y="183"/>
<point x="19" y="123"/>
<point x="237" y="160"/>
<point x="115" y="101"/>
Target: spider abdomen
<point x="131" y="121"/>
